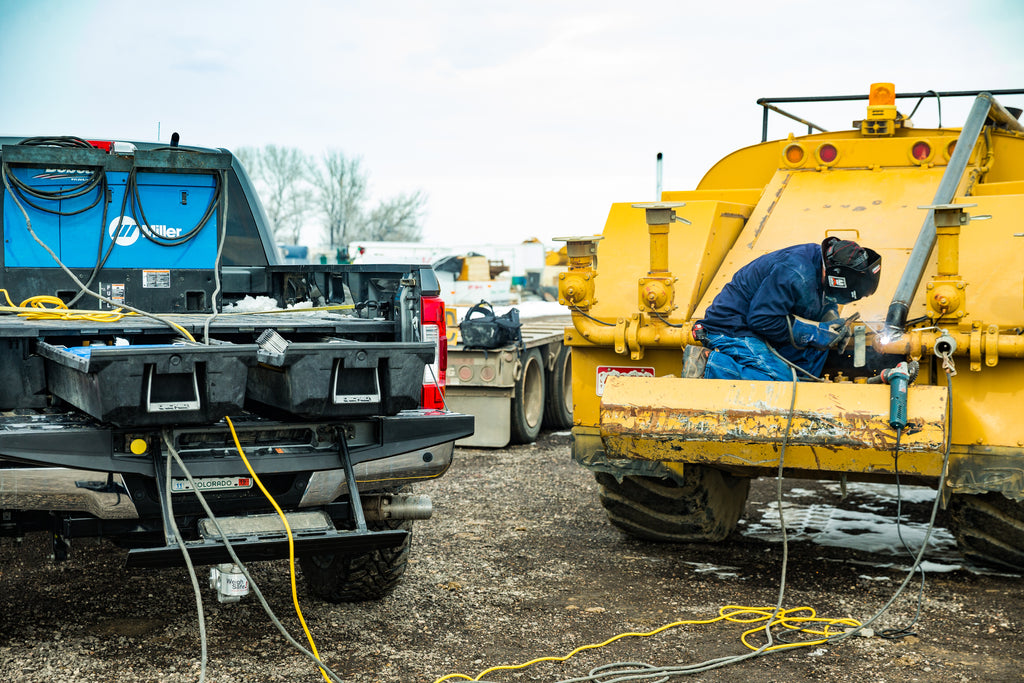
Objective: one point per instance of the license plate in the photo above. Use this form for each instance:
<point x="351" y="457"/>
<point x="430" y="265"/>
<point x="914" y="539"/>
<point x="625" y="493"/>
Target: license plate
<point x="212" y="484"/>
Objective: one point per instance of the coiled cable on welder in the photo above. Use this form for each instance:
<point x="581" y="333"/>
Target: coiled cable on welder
<point x="139" y="214"/>
<point x="173" y="453"/>
<point x="98" y="178"/>
<point x="113" y="304"/>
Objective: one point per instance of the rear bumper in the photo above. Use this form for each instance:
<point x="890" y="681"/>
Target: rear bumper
<point x="87" y="475"/>
<point x="75" y="442"/>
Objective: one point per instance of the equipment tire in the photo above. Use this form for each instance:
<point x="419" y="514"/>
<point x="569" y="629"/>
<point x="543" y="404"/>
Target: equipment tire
<point x="558" y="406"/>
<point x="361" y="576"/>
<point x="528" y="399"/>
<point x="705" y="507"/>
<point x="989" y="529"/>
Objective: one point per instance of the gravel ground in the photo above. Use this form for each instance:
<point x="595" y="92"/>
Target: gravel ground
<point x="518" y="562"/>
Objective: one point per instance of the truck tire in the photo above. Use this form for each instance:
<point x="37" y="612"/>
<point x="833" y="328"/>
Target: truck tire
<point x="705" y="507"/>
<point x="528" y="399"/>
<point x="989" y="529"/>
<point x="358" y="577"/>
<point x="558" y="406"/>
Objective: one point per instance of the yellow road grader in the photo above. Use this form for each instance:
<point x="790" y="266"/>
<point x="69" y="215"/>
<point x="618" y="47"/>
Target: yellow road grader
<point x="674" y="454"/>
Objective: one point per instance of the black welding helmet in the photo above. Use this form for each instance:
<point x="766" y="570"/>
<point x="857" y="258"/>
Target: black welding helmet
<point x="851" y="271"/>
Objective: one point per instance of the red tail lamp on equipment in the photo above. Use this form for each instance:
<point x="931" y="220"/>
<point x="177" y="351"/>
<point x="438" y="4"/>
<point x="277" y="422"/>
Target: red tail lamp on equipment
<point x="827" y="153"/>
<point x="921" y="151"/>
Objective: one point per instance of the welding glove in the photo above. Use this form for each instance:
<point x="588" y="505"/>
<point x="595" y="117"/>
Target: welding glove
<point x="825" y="336"/>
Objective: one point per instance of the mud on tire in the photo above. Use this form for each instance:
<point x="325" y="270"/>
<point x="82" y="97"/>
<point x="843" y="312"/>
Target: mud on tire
<point x="705" y="506"/>
<point x="357" y="577"/>
<point x="989" y="529"/>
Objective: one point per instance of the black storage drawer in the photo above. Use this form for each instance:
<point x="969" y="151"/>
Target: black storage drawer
<point x="151" y="384"/>
<point x="342" y="379"/>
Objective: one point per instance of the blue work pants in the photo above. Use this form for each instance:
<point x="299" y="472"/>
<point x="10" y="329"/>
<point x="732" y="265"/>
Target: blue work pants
<point x="750" y="358"/>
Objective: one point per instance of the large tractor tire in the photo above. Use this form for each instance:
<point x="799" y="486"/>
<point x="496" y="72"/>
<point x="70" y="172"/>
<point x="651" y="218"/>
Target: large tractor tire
<point x="528" y="399"/>
<point x="705" y="507"/>
<point x="558" y="407"/>
<point x="989" y="529"/>
<point x="358" y="577"/>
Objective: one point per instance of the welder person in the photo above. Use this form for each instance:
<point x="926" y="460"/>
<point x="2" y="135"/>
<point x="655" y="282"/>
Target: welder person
<point x="784" y="305"/>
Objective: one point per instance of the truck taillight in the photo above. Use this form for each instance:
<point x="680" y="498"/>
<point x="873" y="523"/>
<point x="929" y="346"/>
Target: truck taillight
<point x="106" y="145"/>
<point x="432" y="312"/>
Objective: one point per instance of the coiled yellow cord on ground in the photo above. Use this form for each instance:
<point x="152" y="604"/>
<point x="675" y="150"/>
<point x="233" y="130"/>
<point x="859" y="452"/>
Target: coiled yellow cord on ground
<point x="789" y="618"/>
<point x="291" y="543"/>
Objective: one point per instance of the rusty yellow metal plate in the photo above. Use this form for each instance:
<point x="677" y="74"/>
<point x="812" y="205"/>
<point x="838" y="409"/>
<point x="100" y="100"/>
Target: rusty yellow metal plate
<point x="832" y="427"/>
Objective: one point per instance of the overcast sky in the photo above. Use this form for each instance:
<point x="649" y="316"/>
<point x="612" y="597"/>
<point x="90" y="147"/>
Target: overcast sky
<point x="518" y="119"/>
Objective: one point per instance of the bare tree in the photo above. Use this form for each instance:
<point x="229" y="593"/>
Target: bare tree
<point x="293" y="185"/>
<point x="340" y="185"/>
<point x="397" y="219"/>
<point x="283" y="173"/>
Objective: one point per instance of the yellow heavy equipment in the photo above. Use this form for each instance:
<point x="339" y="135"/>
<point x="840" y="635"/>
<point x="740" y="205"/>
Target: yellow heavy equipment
<point x="674" y="455"/>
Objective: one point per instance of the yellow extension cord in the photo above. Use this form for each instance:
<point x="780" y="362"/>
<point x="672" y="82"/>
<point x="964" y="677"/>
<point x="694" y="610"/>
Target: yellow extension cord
<point x="789" y="618"/>
<point x="44" y="307"/>
<point x="291" y="544"/>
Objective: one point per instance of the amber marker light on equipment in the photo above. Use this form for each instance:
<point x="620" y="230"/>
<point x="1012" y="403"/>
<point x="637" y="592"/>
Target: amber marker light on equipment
<point x="827" y="153"/>
<point x="950" y="148"/>
<point x="793" y="154"/>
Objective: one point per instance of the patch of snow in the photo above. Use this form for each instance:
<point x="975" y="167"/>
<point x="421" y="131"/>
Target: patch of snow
<point x="856" y="529"/>
<point x="886" y="492"/>
<point x="718" y="572"/>
<point x="251" y="304"/>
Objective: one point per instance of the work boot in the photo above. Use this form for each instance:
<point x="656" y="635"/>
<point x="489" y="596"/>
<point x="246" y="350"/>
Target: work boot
<point x="694" y="360"/>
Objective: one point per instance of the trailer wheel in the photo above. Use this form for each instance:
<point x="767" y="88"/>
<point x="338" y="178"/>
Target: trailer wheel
<point x="705" y="507"/>
<point x="558" y="407"/>
<point x="989" y="529"/>
<point x="528" y="400"/>
<point x="358" y="577"/>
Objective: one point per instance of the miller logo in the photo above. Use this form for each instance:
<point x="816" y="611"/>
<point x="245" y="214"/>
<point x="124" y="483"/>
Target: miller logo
<point x="127" y="235"/>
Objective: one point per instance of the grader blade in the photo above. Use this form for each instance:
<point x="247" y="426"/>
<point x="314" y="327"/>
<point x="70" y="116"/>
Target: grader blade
<point x="841" y="427"/>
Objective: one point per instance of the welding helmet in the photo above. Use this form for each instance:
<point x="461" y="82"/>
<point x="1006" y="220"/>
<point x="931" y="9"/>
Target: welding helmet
<point x="851" y="271"/>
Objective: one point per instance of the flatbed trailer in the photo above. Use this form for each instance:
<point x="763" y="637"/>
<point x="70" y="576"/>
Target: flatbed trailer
<point x="515" y="390"/>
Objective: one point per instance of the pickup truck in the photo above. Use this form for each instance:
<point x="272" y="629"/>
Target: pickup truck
<point x="153" y="347"/>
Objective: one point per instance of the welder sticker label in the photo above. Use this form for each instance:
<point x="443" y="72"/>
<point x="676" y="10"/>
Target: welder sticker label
<point x="156" y="279"/>
<point x="606" y="371"/>
<point x="834" y="281"/>
<point x="212" y="483"/>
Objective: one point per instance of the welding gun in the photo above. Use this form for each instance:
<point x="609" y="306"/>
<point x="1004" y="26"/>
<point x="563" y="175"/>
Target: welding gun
<point x="898" y="378"/>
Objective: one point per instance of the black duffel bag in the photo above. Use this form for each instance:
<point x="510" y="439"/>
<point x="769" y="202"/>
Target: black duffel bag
<point x="482" y="329"/>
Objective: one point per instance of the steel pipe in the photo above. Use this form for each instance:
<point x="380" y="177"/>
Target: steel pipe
<point x="896" y="317"/>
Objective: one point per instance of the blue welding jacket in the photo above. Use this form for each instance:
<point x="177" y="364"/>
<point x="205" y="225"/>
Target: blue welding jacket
<point x="763" y="293"/>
